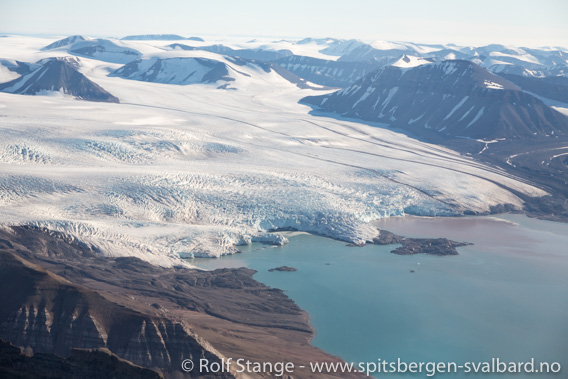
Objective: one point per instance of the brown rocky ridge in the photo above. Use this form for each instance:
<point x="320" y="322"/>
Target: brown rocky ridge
<point x="58" y="294"/>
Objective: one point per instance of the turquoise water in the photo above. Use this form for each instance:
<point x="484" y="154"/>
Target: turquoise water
<point x="505" y="297"/>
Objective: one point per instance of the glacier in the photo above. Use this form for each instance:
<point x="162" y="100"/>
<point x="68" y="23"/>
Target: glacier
<point x="191" y="170"/>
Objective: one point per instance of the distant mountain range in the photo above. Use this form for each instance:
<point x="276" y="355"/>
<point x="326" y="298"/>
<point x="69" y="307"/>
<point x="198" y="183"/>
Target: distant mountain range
<point x="549" y="61"/>
<point x="160" y="37"/>
<point x="540" y="62"/>
<point x="404" y="84"/>
<point x="254" y="54"/>
<point x="455" y="97"/>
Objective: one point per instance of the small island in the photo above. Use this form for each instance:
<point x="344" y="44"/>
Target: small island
<point x="432" y="246"/>
<point x="283" y="268"/>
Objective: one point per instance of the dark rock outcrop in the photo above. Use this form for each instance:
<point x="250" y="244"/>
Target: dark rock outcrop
<point x="387" y="238"/>
<point x="284" y="268"/>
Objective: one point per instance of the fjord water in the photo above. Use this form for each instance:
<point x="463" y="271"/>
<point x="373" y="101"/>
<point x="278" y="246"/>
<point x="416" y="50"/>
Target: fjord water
<point x="504" y="297"/>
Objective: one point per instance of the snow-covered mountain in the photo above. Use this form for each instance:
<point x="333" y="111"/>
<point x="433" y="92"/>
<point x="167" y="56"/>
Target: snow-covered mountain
<point x="58" y="75"/>
<point x="368" y="53"/>
<point x="65" y="42"/>
<point x="176" y="71"/>
<point x="104" y="50"/>
<point x="153" y="37"/>
<point x="341" y="48"/>
<point x="100" y="49"/>
<point x="253" y="54"/>
<point x="160" y="37"/>
<point x="223" y="71"/>
<point x="327" y="72"/>
<point x="319" y="41"/>
<point x="497" y="58"/>
<point x="457" y="98"/>
<point x="408" y="61"/>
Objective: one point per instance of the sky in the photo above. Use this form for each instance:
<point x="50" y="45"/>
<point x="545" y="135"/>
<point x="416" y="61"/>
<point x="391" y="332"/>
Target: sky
<point x="473" y="22"/>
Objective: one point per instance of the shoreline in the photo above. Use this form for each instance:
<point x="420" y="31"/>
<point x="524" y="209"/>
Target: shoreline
<point x="91" y="259"/>
<point x="224" y="312"/>
<point x="209" y="318"/>
<point x="289" y="233"/>
<point x="480" y="268"/>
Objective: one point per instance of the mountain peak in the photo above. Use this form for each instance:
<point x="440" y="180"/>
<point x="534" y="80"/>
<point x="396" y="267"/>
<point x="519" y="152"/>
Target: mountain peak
<point x="408" y="61"/>
<point x="64" y="42"/>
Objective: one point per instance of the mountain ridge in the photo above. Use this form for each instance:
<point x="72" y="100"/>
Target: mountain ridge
<point x="454" y="97"/>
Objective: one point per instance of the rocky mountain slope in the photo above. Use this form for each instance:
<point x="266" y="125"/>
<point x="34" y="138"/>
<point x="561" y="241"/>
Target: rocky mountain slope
<point x="455" y="97"/>
<point x="551" y="87"/>
<point x="82" y="363"/>
<point x="52" y="315"/>
<point x="58" y="294"/>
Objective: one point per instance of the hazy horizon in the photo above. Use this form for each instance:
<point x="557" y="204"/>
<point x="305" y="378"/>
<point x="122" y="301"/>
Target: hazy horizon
<point x="516" y="23"/>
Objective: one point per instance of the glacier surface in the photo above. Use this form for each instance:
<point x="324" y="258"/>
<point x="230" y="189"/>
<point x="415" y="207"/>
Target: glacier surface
<point x="193" y="170"/>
